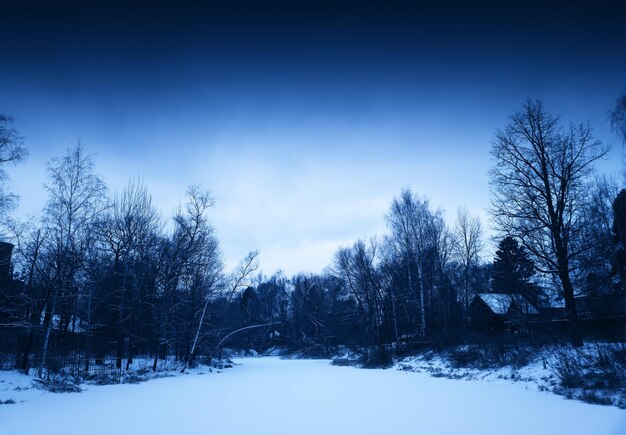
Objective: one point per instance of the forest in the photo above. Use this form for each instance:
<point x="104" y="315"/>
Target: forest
<point x="100" y="279"/>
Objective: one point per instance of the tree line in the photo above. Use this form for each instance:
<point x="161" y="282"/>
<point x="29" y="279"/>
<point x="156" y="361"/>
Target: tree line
<point x="108" y="275"/>
<point x="561" y="237"/>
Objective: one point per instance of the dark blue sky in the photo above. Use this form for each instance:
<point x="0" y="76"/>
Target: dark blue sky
<point x="304" y="121"/>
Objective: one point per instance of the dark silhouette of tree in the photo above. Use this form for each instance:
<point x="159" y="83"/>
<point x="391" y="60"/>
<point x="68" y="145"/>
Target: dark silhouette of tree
<point x="619" y="236"/>
<point x="421" y="243"/>
<point x="356" y="268"/>
<point x="129" y="225"/>
<point x="595" y="273"/>
<point x="618" y="117"/>
<point x="468" y="244"/>
<point x="12" y="150"/>
<point x="76" y="195"/>
<point x="249" y="304"/>
<point x="513" y="271"/>
<point x="191" y="270"/>
<point x="539" y="187"/>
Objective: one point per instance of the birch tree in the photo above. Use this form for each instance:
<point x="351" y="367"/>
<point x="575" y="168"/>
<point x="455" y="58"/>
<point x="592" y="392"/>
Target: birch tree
<point x="420" y="237"/>
<point x="75" y="198"/>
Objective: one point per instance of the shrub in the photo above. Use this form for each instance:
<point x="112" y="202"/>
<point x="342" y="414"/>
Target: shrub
<point x="595" y="398"/>
<point x="60" y="385"/>
<point x="376" y="358"/>
<point x="595" y="376"/>
<point x="569" y="371"/>
<point x="465" y="356"/>
<point x="343" y="362"/>
<point x="610" y="363"/>
<point x="492" y="354"/>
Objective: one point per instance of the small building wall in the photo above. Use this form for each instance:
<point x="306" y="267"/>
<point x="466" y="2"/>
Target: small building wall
<point x="6" y="250"/>
<point x="482" y="318"/>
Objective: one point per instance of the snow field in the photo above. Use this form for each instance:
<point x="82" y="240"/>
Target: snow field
<point x="270" y="396"/>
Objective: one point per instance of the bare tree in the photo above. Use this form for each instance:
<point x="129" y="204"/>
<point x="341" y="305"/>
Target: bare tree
<point x="618" y="117"/>
<point x="130" y="223"/>
<point x="76" y="195"/>
<point x="356" y="267"/>
<point x="419" y="236"/>
<point x="29" y="241"/>
<point x="595" y="271"/>
<point x="192" y="262"/>
<point x="12" y="151"/>
<point x="240" y="277"/>
<point x="468" y="235"/>
<point x="538" y="188"/>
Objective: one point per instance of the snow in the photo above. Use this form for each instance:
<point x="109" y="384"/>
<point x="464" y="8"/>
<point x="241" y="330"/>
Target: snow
<point x="274" y="396"/>
<point x="499" y="303"/>
<point x="16" y="387"/>
<point x="537" y="375"/>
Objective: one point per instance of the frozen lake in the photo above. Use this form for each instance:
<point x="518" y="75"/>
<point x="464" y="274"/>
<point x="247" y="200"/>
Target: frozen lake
<point x="273" y="396"/>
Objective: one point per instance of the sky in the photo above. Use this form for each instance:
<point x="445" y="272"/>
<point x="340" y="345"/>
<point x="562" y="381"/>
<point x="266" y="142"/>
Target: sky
<point x="303" y="120"/>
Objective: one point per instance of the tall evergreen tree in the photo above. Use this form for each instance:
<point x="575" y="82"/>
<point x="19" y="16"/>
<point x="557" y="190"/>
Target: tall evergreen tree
<point x="619" y="235"/>
<point x="513" y="271"/>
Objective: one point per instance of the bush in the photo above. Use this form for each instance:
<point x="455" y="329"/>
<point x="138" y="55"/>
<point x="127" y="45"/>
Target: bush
<point x="595" y="398"/>
<point x="610" y="363"/>
<point x="60" y="385"/>
<point x="594" y="376"/>
<point x="604" y="368"/>
<point x="376" y="358"/>
<point x="465" y="356"/>
<point x="569" y="371"/>
<point x="343" y="362"/>
<point x="492" y="355"/>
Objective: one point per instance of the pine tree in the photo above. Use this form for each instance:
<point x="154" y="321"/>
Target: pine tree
<point x="513" y="271"/>
<point x="619" y="235"/>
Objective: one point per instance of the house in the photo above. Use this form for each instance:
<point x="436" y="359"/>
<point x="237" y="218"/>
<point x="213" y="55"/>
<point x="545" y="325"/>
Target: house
<point x="5" y="262"/>
<point x="500" y="311"/>
<point x="8" y="287"/>
<point x="588" y="307"/>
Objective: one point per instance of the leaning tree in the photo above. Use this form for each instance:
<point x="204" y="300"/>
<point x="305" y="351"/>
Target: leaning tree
<point x="538" y="188"/>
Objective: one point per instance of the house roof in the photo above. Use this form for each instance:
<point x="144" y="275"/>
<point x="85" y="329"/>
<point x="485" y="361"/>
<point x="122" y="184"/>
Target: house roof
<point x="500" y="303"/>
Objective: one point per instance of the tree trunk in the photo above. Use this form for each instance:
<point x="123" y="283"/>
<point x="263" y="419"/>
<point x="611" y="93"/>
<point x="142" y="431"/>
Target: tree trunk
<point x="422" y="301"/>
<point x="46" y="337"/>
<point x="88" y="334"/>
<point x="568" y="291"/>
<point x="195" y="340"/>
<point x="27" y="348"/>
<point x="570" y="310"/>
<point x="121" y="314"/>
<point x="160" y="339"/>
<point x="395" y="316"/>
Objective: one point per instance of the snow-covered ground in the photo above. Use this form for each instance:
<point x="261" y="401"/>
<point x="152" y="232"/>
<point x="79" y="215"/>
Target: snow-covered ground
<point x="273" y="396"/>
<point x="537" y="375"/>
